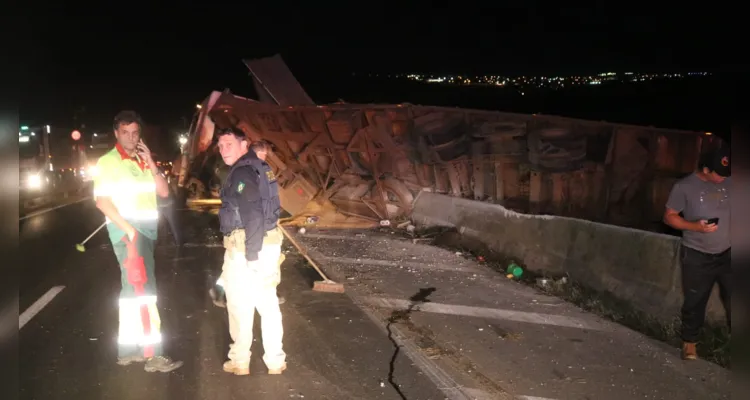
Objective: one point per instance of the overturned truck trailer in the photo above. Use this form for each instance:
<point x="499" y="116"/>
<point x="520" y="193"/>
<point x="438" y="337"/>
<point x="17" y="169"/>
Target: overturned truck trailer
<point x="369" y="161"/>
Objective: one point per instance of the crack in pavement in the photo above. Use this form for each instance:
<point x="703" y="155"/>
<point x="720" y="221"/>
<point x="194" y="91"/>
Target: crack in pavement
<point x="400" y="315"/>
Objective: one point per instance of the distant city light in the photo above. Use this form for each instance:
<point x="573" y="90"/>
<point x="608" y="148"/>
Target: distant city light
<point x="198" y="106"/>
<point x="182" y="140"/>
<point x="75" y="135"/>
<point x="24" y="128"/>
<point x="23" y="139"/>
<point x="47" y="128"/>
<point x="556" y="82"/>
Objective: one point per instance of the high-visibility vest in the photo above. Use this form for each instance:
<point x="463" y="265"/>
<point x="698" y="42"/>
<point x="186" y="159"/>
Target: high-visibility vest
<point x="130" y="184"/>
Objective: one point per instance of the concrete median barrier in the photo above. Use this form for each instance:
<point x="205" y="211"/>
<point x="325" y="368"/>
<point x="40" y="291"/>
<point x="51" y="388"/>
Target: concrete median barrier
<point x="639" y="267"/>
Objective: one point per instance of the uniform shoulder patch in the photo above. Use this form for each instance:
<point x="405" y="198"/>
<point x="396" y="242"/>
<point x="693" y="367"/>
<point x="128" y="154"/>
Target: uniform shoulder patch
<point x="240" y="187"/>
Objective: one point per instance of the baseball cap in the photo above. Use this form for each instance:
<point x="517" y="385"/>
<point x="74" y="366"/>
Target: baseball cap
<point x="719" y="162"/>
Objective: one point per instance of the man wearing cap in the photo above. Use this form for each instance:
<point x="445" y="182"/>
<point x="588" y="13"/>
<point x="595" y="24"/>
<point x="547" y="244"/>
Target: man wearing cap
<point x="703" y="199"/>
<point x="125" y="189"/>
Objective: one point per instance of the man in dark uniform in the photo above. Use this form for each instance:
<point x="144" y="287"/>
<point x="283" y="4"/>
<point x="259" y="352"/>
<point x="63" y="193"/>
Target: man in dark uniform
<point x="261" y="148"/>
<point x="249" y="212"/>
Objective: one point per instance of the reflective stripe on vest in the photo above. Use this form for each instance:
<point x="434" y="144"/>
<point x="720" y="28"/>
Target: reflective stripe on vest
<point x="134" y="188"/>
<point x="131" y="188"/>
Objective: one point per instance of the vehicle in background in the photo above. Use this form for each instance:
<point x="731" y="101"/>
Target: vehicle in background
<point x="99" y="145"/>
<point x="50" y="161"/>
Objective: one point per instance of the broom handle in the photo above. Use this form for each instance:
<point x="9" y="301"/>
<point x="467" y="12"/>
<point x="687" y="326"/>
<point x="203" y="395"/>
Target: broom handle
<point x="94" y="233"/>
<point x="303" y="252"/>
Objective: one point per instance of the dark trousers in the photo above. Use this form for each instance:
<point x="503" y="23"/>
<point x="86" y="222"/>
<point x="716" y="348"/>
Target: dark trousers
<point x="700" y="271"/>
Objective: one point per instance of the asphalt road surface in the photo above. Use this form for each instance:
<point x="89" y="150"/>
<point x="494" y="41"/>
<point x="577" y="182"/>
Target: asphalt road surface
<point x="416" y="322"/>
<point x="68" y="310"/>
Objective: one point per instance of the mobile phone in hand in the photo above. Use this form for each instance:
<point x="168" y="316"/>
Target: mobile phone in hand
<point x="713" y="221"/>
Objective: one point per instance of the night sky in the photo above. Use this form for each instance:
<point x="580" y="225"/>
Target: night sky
<point x="161" y="64"/>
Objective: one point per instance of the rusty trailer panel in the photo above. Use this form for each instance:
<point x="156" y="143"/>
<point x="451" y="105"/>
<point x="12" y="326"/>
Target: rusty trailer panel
<point x="370" y="160"/>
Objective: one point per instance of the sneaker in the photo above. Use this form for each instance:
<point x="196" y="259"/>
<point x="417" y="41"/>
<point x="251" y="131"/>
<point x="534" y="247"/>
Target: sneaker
<point x="689" y="351"/>
<point x="161" y="364"/>
<point x="277" y="371"/>
<point x="234" y="368"/>
<point x="218" y="297"/>
<point x="124" y="361"/>
<point x="282" y="300"/>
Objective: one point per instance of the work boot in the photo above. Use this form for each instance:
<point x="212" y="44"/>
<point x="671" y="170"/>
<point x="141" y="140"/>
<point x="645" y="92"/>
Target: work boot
<point x="689" y="351"/>
<point x="282" y="300"/>
<point x="161" y="364"/>
<point x="218" y="296"/>
<point x="124" y="361"/>
<point x="277" y="371"/>
<point x="236" y="369"/>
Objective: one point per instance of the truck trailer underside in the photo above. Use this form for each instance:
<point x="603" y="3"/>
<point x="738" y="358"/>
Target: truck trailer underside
<point x="359" y="164"/>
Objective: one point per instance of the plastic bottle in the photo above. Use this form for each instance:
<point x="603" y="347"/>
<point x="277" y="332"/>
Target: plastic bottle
<point x="514" y="270"/>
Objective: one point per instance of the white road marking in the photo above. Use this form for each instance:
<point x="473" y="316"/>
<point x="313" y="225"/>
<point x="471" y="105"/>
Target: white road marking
<point x="477" y="394"/>
<point x="38" y="306"/>
<point x="483" y="312"/>
<point x="407" y="264"/>
<point x="46" y="210"/>
<point x="533" y="398"/>
<point x="339" y="237"/>
<point x="442" y="380"/>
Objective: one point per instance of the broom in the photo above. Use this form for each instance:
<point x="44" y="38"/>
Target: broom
<point x="326" y="285"/>
<point x="82" y="246"/>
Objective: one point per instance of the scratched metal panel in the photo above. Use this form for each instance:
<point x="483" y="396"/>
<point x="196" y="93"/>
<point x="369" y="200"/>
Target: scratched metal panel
<point x="272" y="77"/>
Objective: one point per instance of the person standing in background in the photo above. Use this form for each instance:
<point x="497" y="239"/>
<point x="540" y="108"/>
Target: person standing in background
<point x="168" y="208"/>
<point x="703" y="199"/>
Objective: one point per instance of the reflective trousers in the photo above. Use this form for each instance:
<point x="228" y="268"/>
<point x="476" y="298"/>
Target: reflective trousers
<point x="249" y="287"/>
<point x="140" y="326"/>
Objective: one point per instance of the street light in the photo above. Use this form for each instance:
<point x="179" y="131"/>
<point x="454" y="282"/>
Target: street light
<point x="198" y="106"/>
<point x="182" y="140"/>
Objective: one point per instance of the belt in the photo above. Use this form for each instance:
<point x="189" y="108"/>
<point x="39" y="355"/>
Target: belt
<point x="230" y="233"/>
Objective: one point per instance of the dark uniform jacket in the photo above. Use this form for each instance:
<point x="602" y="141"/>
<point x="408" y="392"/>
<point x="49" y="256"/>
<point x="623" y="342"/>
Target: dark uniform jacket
<point x="250" y="201"/>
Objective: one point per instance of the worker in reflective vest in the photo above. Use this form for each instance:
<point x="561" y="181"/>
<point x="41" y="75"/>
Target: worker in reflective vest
<point x="125" y="189"/>
<point x="248" y="216"/>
